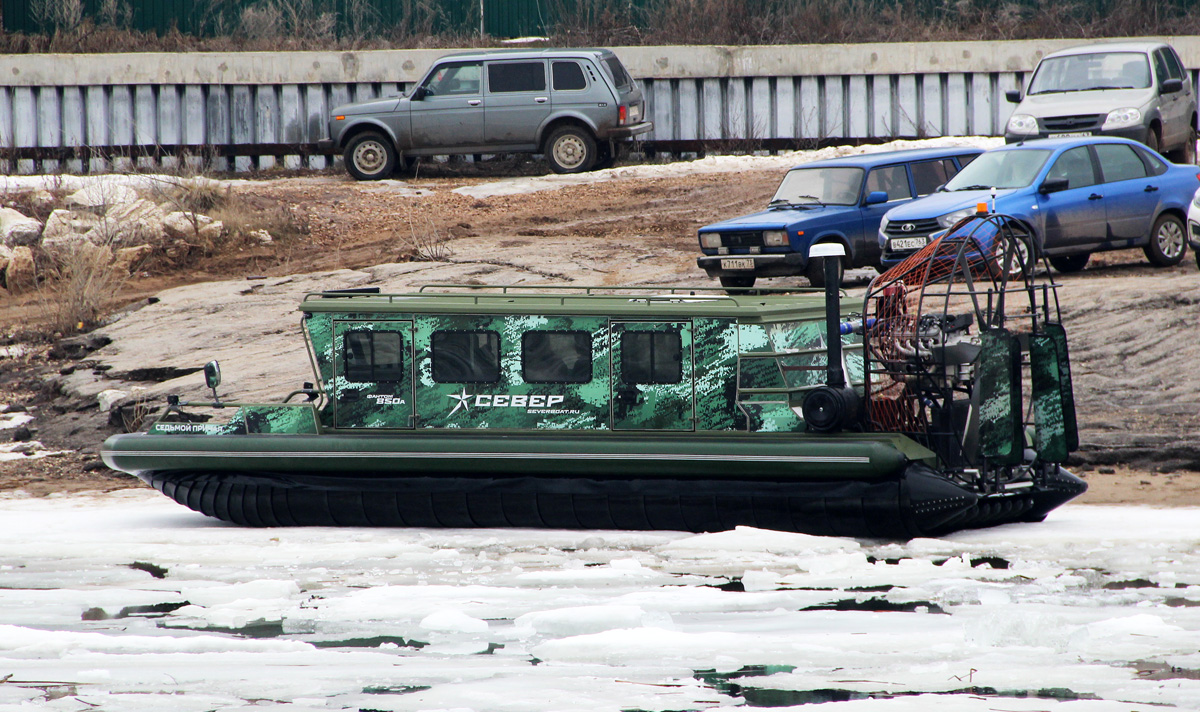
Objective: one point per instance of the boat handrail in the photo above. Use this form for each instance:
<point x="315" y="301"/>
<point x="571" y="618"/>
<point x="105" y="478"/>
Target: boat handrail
<point x="542" y="291"/>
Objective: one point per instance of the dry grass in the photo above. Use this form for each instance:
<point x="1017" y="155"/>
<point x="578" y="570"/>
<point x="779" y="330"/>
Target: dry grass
<point x="275" y="25"/>
<point x="79" y="299"/>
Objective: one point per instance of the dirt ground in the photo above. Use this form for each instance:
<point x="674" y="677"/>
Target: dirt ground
<point x="1133" y="328"/>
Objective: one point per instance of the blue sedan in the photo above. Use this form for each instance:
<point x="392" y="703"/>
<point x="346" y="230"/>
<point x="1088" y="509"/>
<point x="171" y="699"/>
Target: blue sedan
<point x="835" y="200"/>
<point x="1075" y="196"/>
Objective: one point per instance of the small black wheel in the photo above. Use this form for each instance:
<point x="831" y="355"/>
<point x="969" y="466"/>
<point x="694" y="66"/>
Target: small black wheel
<point x="737" y="284"/>
<point x="1070" y="263"/>
<point x="815" y="272"/>
<point x="570" y="149"/>
<point x="370" y="156"/>
<point x="1167" y="244"/>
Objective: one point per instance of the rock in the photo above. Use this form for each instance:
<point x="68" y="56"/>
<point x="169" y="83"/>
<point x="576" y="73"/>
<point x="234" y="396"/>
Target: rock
<point x="21" y="434"/>
<point x="101" y="195"/>
<point x="136" y="223"/>
<point x="261" y="236"/>
<point x="62" y="245"/>
<point x="184" y="226"/>
<point x="109" y="398"/>
<point x="18" y="229"/>
<point x="76" y="347"/>
<point x="5" y="256"/>
<point x="21" y="273"/>
<point x="210" y="233"/>
<point x="127" y="258"/>
<point x="68" y="223"/>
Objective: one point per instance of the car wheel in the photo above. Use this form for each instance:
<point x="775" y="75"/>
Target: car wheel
<point x="815" y="272"/>
<point x="570" y="149"/>
<point x="736" y="284"/>
<point x="1022" y="263"/>
<point x="370" y="156"/>
<point x="605" y="158"/>
<point x="1152" y="140"/>
<point x="1070" y="263"/>
<point x="1186" y="153"/>
<point x="1167" y="245"/>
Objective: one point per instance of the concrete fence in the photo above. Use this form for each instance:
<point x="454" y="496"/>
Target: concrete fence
<point x="258" y="110"/>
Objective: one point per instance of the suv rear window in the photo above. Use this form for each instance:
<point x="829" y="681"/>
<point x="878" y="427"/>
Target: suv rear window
<point x="620" y="77"/>
<point x="516" y="76"/>
<point x="568" y="76"/>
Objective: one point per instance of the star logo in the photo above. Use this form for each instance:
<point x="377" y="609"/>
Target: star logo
<point x="463" y="401"/>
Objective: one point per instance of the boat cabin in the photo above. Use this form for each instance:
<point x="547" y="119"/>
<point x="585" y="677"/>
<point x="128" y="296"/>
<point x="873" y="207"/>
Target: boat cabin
<point x="587" y="360"/>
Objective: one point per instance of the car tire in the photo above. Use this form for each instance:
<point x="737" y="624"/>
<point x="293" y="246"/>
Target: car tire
<point x="737" y="284"/>
<point x="605" y="158"/>
<point x="370" y="156"/>
<point x="1167" y="245"/>
<point x="1022" y="266"/>
<point x="1153" y="142"/>
<point x="570" y="149"/>
<point x="1185" y="154"/>
<point x="1070" y="263"/>
<point x="815" y="272"/>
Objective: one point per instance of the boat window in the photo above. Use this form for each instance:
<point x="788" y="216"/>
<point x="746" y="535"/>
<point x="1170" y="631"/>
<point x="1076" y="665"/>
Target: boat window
<point x="556" y="357"/>
<point x="373" y="356"/>
<point x="465" y="356"/>
<point x="651" y="357"/>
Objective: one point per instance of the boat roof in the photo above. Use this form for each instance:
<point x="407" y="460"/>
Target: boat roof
<point x="870" y="160"/>
<point x="615" y="302"/>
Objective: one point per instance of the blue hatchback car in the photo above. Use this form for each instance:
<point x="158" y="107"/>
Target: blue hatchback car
<point x="1075" y="196"/>
<point x="835" y="200"/>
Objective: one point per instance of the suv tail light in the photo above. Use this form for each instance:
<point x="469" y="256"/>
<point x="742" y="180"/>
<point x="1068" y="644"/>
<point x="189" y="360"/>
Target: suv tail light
<point x="622" y="114"/>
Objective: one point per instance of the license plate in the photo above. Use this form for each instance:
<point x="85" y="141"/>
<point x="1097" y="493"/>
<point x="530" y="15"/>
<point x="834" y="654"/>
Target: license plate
<point x="737" y="264"/>
<point x="907" y="243"/>
<point x="1073" y="134"/>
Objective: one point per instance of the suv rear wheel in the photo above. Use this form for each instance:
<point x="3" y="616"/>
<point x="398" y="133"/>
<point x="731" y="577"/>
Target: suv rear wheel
<point x="570" y="149"/>
<point x="370" y="156"/>
<point x="1167" y="244"/>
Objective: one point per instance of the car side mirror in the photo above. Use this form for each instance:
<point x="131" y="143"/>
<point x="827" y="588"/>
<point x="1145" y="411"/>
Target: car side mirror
<point x="1172" y="85"/>
<point x="877" y="196"/>
<point x="1053" y="185"/>
<point x="1013" y="96"/>
<point x="418" y="94"/>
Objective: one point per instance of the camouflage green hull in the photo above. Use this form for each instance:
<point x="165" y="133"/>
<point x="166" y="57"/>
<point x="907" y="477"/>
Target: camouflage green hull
<point x="847" y="486"/>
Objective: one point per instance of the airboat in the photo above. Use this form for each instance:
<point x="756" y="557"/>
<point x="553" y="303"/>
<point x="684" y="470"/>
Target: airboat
<point x="942" y="400"/>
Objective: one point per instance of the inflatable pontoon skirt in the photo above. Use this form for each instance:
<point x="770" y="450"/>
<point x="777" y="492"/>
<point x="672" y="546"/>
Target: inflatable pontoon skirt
<point x="918" y="503"/>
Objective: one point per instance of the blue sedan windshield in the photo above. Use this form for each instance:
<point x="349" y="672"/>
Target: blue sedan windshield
<point x="1000" y="169"/>
<point x="824" y="186"/>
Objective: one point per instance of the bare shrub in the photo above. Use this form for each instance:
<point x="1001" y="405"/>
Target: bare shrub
<point x="80" y="297"/>
<point x="57" y="15"/>
<point x="114" y="13"/>
<point x="426" y="244"/>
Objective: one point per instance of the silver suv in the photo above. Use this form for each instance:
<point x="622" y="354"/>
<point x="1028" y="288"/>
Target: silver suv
<point x="1136" y="90"/>
<point x="578" y="107"/>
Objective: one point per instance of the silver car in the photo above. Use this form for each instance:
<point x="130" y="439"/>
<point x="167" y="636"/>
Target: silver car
<point x="1136" y="90"/>
<point x="578" y="107"/>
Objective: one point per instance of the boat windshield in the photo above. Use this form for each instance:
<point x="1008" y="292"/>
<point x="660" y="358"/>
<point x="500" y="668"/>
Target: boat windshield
<point x="1090" y="72"/>
<point x="819" y="186"/>
<point x="1000" y="169"/>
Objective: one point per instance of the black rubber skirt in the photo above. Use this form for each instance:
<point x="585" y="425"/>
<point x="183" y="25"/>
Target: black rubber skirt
<point x="918" y="503"/>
